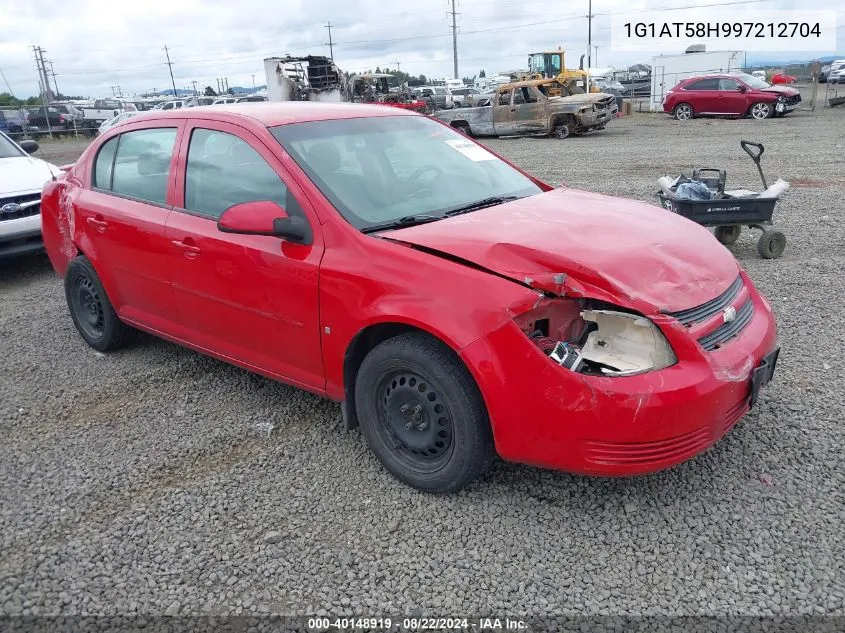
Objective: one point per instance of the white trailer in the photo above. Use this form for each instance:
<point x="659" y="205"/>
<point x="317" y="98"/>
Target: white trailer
<point x="667" y="71"/>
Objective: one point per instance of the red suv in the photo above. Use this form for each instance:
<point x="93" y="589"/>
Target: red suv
<point x="731" y="94"/>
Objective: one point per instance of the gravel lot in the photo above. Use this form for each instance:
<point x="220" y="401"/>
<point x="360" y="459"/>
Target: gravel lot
<point x="138" y="482"/>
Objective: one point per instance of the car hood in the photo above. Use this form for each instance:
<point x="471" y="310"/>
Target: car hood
<point x="23" y="174"/>
<point x="629" y="251"/>
<point x="790" y="92"/>
<point x="588" y="97"/>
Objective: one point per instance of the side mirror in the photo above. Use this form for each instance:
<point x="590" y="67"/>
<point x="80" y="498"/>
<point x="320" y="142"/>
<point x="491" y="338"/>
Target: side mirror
<point x="30" y="147"/>
<point x="264" y="217"/>
<point x="742" y="89"/>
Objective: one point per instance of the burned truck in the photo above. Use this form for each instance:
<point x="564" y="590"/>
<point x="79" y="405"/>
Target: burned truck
<point x="522" y="109"/>
<point x="308" y="78"/>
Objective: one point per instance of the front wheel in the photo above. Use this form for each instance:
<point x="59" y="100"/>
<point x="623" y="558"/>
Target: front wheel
<point x="422" y="414"/>
<point x="562" y="130"/>
<point x="762" y="110"/>
<point x="90" y="308"/>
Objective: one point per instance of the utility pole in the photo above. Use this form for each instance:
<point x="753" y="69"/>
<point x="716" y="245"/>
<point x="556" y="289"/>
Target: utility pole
<point x="53" y="73"/>
<point x="455" y="39"/>
<point x="331" y="48"/>
<point x="597" y="47"/>
<point x="170" y="66"/>
<point x="589" y="33"/>
<point x="43" y="79"/>
<point x="194" y="83"/>
<point x="253" y="82"/>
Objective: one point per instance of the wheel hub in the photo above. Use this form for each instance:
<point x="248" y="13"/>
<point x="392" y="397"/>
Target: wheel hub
<point x="416" y="415"/>
<point x="90" y="310"/>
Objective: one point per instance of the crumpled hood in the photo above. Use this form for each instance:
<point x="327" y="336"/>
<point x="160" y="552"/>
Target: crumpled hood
<point x="24" y="174"/>
<point x="637" y="252"/>
<point x="785" y="90"/>
<point x="588" y="97"/>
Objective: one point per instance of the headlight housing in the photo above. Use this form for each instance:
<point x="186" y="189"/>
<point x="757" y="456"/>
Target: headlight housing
<point x="587" y="339"/>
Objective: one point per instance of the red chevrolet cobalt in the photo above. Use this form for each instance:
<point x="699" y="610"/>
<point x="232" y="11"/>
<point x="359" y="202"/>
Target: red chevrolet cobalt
<point x="456" y="306"/>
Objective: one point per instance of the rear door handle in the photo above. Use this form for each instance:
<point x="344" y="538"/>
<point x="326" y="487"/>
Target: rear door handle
<point x="191" y="250"/>
<point x="100" y="225"/>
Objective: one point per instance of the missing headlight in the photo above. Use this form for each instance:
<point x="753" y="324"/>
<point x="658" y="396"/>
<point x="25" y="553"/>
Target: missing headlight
<point x="585" y="339"/>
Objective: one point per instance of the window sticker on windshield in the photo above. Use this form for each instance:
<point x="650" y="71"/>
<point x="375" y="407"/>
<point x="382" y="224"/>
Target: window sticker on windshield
<point x="470" y="150"/>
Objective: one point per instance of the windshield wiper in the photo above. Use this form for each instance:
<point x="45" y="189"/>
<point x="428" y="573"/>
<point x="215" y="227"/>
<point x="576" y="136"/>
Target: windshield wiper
<point x="481" y="204"/>
<point x="407" y="220"/>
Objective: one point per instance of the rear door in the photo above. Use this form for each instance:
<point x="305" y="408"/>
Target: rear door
<point x="502" y="122"/>
<point x="123" y="216"/>
<point x="249" y="298"/>
<point x="702" y="95"/>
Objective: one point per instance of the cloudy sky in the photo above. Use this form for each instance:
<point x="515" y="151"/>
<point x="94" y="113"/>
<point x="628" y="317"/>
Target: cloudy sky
<point x="97" y="44"/>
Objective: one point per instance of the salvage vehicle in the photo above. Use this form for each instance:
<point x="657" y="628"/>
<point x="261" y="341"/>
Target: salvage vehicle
<point x="21" y="180"/>
<point x="729" y="94"/>
<point x="375" y="88"/>
<point x="521" y="108"/>
<point x="102" y="110"/>
<point x="446" y="298"/>
<point x="15" y="123"/>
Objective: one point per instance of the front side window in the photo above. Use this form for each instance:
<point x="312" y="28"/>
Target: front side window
<point x="224" y="170"/>
<point x="728" y="84"/>
<point x="380" y="169"/>
<point x="140" y="165"/>
<point x="753" y="82"/>
<point x="505" y="98"/>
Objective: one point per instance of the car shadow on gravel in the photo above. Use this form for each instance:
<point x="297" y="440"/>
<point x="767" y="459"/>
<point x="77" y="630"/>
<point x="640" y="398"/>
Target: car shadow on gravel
<point x="23" y="270"/>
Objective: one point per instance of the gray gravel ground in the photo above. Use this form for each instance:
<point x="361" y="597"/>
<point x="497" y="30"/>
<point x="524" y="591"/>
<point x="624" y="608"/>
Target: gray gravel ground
<point x="138" y="482"/>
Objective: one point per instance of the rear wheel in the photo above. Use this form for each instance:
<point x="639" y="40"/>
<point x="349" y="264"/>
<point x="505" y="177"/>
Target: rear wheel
<point x="728" y="235"/>
<point x="761" y="110"/>
<point x="683" y="112"/>
<point x="90" y="308"/>
<point x="422" y="414"/>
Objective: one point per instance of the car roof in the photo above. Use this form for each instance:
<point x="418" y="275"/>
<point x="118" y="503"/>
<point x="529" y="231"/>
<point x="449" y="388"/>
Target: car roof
<point x="270" y="113"/>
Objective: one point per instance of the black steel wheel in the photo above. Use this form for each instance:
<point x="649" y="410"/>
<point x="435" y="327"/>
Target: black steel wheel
<point x="771" y="244"/>
<point x="422" y="414"/>
<point x="90" y="308"/>
<point x="728" y="235"/>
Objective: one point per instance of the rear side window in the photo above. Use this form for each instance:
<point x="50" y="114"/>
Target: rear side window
<point x="224" y="170"/>
<point x="703" y="84"/>
<point x="137" y="164"/>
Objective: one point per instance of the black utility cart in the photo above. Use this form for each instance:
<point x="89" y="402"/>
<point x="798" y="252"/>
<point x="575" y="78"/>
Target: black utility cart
<point x="730" y="211"/>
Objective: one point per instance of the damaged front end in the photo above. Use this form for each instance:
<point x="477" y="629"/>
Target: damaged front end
<point x="596" y="338"/>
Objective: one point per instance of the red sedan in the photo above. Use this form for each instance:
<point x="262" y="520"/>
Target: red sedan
<point x="456" y="306"/>
<point x="732" y="94"/>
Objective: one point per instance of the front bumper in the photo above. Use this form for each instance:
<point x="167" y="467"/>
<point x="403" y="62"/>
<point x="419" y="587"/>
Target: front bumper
<point x="20" y="236"/>
<point x="545" y="415"/>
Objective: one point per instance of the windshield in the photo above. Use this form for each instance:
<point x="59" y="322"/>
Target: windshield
<point x="8" y="149"/>
<point x="380" y="169"/>
<point x="754" y="82"/>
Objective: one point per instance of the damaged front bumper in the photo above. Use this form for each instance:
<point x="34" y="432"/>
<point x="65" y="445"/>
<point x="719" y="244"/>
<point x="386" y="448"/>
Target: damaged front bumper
<point x="545" y="414"/>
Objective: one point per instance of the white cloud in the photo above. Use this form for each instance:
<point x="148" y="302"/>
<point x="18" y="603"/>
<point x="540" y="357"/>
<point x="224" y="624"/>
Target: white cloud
<point x="97" y="44"/>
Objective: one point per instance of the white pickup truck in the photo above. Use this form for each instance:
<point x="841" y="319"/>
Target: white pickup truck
<point x="103" y="110"/>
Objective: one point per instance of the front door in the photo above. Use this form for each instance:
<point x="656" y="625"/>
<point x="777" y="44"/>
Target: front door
<point x="527" y="114"/>
<point x="123" y="218"/>
<point x="731" y="99"/>
<point x="250" y="298"/>
<point x="502" y="123"/>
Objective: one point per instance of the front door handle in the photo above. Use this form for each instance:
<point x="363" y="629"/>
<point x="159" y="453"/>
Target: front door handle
<point x="191" y="250"/>
<point x="98" y="224"/>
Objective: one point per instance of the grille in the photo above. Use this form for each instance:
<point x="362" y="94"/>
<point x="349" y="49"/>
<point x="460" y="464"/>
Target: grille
<point x="707" y="310"/>
<point x="727" y="331"/>
<point x="793" y="100"/>
<point x="27" y="211"/>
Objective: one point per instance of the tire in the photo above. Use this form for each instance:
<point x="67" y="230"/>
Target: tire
<point x="761" y="110"/>
<point x="683" y="112"/>
<point x="90" y="308"/>
<point x="771" y="244"/>
<point x="728" y="235"/>
<point x="562" y="130"/>
<point x="422" y="414"/>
